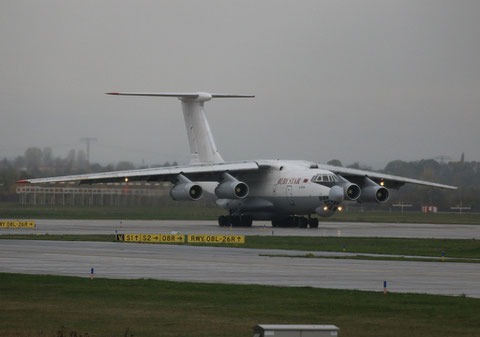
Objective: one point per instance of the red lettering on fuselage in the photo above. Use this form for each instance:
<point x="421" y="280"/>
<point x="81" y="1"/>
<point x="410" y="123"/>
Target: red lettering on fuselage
<point x="289" y="181"/>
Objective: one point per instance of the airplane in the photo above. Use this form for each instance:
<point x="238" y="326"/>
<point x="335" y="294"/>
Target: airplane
<point x="285" y="192"/>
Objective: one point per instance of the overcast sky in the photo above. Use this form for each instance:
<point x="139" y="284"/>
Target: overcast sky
<point x="368" y="81"/>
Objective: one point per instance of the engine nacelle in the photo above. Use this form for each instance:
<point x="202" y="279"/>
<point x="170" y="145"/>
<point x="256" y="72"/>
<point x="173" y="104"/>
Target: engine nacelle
<point x="336" y="194"/>
<point x="352" y="191"/>
<point x="371" y="191"/>
<point x="186" y="190"/>
<point x="231" y="188"/>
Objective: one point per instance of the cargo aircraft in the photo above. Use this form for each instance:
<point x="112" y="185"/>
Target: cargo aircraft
<point x="286" y="192"/>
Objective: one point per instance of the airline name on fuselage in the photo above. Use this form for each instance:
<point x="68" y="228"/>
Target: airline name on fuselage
<point x="290" y="181"/>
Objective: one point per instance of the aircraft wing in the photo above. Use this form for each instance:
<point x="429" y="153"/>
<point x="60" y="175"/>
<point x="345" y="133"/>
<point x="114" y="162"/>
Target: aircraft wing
<point x="196" y="172"/>
<point x="390" y="181"/>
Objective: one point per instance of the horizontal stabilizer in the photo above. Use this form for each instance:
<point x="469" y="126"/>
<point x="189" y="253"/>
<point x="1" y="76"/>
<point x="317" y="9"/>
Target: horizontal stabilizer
<point x="200" y="139"/>
<point x="201" y="96"/>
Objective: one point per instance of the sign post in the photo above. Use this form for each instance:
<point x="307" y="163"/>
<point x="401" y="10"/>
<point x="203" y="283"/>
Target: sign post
<point x="402" y="205"/>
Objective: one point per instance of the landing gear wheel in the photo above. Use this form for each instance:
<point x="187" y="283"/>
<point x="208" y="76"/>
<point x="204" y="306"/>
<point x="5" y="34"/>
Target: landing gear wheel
<point x="246" y="221"/>
<point x="313" y="223"/>
<point x="235" y="221"/>
<point x="302" y="222"/>
<point x="223" y="220"/>
<point x="292" y="222"/>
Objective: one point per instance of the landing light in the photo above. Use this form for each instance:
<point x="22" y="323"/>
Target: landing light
<point x="325" y="208"/>
<point x="339" y="208"/>
<point x="126" y="180"/>
<point x="382" y="183"/>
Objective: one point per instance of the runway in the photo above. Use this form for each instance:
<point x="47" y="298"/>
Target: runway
<point x="340" y="229"/>
<point x="234" y="265"/>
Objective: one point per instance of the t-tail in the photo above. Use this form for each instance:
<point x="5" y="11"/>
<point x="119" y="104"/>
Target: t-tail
<point x="200" y="139"/>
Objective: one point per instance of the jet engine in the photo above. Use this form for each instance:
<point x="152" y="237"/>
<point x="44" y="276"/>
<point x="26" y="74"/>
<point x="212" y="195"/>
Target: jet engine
<point x="231" y="188"/>
<point x="186" y="190"/>
<point x="336" y="194"/>
<point x="351" y="191"/>
<point x="374" y="192"/>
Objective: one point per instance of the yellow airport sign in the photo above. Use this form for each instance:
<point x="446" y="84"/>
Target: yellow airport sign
<point x="216" y="238"/>
<point x="171" y="238"/>
<point x="17" y="224"/>
<point x="168" y="238"/>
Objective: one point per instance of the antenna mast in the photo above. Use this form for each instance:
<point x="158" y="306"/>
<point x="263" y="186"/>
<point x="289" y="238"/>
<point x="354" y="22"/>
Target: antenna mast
<point x="87" y="141"/>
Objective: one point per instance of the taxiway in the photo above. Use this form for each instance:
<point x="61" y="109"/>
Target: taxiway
<point x="340" y="229"/>
<point x="234" y="265"/>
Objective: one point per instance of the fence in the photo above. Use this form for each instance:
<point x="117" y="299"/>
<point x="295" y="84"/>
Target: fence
<point x="116" y="195"/>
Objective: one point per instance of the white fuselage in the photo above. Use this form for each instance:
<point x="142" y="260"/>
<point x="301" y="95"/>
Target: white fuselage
<point x="285" y="188"/>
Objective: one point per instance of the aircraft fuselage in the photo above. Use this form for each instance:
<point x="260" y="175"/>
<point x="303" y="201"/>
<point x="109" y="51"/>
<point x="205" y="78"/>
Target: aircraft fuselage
<point x="285" y="188"/>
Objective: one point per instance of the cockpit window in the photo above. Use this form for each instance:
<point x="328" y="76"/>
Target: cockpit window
<point x="322" y="178"/>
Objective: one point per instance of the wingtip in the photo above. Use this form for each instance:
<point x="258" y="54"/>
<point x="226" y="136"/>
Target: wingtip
<point x="111" y="93"/>
<point x="24" y="181"/>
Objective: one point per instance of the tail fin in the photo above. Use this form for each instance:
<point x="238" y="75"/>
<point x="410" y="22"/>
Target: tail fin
<point x="200" y="139"/>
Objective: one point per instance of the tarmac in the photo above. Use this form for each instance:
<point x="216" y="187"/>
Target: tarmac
<point x="339" y="229"/>
<point x="238" y="265"/>
<point x="234" y="265"/>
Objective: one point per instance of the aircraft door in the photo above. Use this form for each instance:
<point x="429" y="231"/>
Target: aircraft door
<point x="290" y="195"/>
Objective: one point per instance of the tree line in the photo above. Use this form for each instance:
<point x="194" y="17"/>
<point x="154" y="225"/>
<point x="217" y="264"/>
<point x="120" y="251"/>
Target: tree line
<point x="463" y="174"/>
<point x="37" y="162"/>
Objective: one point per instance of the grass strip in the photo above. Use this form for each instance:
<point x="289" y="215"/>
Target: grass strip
<point x="41" y="305"/>
<point x="453" y="248"/>
<point x="374" y="258"/>
<point x="177" y="212"/>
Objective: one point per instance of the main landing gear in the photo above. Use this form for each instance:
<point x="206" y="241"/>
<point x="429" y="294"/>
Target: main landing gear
<point x="296" y="221"/>
<point x="235" y="221"/>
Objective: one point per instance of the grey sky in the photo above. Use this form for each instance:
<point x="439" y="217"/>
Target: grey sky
<point x="368" y="81"/>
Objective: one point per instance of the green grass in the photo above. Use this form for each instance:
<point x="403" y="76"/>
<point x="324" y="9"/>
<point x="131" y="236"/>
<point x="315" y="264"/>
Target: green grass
<point x="191" y="211"/>
<point x="406" y="217"/>
<point x="459" y="248"/>
<point x="55" y="237"/>
<point x="34" y="305"/>
<point x="376" y="258"/>
<point x="462" y="248"/>
<point x="186" y="212"/>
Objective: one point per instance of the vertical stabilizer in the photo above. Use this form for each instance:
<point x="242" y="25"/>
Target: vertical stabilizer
<point x="200" y="139"/>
